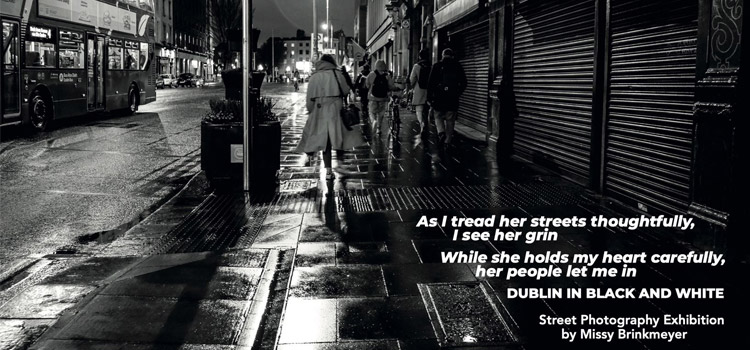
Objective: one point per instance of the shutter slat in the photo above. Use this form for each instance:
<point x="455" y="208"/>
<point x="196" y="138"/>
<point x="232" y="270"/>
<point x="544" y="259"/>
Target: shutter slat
<point x="648" y="154"/>
<point x="553" y="78"/>
<point x="472" y="50"/>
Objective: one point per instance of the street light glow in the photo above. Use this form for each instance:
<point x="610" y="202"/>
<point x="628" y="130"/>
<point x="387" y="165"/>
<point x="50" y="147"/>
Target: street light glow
<point x="325" y="26"/>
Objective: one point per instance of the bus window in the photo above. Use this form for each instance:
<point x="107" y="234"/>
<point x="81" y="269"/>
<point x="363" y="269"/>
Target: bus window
<point x="144" y="56"/>
<point x="114" y="54"/>
<point x="10" y="81"/>
<point x="71" y="50"/>
<point x="40" y="47"/>
<point x="132" y="55"/>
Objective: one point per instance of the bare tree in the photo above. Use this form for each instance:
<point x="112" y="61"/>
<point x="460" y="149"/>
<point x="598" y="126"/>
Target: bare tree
<point x="226" y="24"/>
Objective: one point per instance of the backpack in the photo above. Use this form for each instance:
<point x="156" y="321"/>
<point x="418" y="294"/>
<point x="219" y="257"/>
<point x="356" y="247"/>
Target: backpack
<point x="380" y="86"/>
<point x="449" y="82"/>
<point x="424" y="75"/>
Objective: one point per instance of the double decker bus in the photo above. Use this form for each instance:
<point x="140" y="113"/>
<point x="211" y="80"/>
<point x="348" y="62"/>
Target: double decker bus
<point x="66" y="58"/>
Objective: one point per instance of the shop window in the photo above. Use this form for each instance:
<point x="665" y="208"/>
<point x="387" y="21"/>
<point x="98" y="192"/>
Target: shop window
<point x="114" y="54"/>
<point x="40" y="47"/>
<point x="71" y="50"/>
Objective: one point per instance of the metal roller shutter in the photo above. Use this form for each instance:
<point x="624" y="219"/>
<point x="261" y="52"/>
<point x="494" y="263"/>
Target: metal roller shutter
<point x="472" y="48"/>
<point x="553" y="78"/>
<point x="649" y="126"/>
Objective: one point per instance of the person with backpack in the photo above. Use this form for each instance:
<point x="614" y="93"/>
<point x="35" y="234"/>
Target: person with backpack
<point x="447" y="83"/>
<point x="379" y="85"/>
<point x="419" y="80"/>
<point x="362" y="91"/>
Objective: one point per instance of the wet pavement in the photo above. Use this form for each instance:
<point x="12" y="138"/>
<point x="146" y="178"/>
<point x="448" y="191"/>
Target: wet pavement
<point x="95" y="176"/>
<point x="340" y="264"/>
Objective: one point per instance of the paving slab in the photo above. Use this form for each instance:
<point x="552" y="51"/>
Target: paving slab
<point x="44" y="301"/>
<point x="157" y="320"/>
<point x="345" y="345"/>
<point x="97" y="345"/>
<point x="309" y="321"/>
<point x="188" y="282"/>
<point x="337" y="281"/>
<point x="19" y="334"/>
<point x="383" y="318"/>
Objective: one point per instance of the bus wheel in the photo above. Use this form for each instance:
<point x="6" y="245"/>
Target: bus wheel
<point x="40" y="112"/>
<point x="132" y="100"/>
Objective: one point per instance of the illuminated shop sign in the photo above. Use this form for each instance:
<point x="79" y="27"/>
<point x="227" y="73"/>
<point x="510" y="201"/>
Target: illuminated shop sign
<point x="41" y="34"/>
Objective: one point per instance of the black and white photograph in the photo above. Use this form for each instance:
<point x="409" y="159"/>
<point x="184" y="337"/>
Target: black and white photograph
<point x="374" y="175"/>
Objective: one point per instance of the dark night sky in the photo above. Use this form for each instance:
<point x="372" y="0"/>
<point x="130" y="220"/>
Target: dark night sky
<point x="284" y="17"/>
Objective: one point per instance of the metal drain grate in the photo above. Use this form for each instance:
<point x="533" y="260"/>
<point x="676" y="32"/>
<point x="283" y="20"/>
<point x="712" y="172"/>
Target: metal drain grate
<point x="220" y="222"/>
<point x="468" y="314"/>
<point x="455" y="197"/>
<point x="234" y="220"/>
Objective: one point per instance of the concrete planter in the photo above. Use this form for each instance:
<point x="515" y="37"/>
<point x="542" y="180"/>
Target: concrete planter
<point x="221" y="153"/>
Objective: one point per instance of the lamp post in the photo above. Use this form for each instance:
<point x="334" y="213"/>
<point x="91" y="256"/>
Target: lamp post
<point x="273" y="56"/>
<point x="315" y="33"/>
<point x="247" y="115"/>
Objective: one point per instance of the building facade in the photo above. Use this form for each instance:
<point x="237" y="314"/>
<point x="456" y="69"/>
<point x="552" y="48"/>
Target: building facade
<point x="164" y="31"/>
<point x="192" y="37"/>
<point x="297" y="55"/>
<point x="641" y="106"/>
<point x="360" y="24"/>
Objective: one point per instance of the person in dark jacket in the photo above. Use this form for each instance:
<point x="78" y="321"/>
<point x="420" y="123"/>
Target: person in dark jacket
<point x="349" y="81"/>
<point x="362" y="91"/>
<point x="447" y="83"/>
<point x="419" y="75"/>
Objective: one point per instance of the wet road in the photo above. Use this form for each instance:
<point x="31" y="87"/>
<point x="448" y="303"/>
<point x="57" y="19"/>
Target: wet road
<point x="62" y="189"/>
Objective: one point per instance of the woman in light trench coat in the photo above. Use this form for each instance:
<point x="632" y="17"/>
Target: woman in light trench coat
<point x="324" y="130"/>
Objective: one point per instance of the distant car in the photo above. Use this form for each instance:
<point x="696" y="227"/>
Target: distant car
<point x="167" y="79"/>
<point x="159" y="82"/>
<point x="199" y="82"/>
<point x="187" y="79"/>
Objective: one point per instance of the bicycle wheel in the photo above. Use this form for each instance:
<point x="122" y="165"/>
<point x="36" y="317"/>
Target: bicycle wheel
<point x="395" y="121"/>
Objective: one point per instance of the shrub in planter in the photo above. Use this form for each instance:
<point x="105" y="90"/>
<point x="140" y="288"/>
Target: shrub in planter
<point x="267" y="142"/>
<point x="220" y="129"/>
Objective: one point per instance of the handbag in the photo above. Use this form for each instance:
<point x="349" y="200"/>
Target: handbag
<point x="349" y="113"/>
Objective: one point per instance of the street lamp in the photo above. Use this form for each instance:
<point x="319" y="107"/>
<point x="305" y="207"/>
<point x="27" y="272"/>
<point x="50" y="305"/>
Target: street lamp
<point x="260" y="67"/>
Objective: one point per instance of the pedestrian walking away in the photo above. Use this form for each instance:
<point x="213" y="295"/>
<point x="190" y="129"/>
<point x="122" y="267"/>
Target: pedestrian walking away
<point x="324" y="130"/>
<point x="419" y="80"/>
<point x="447" y="83"/>
<point x="349" y="82"/>
<point x="379" y="84"/>
<point x="362" y="91"/>
<point x="296" y="78"/>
